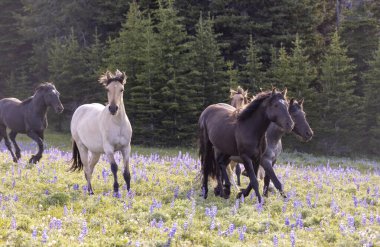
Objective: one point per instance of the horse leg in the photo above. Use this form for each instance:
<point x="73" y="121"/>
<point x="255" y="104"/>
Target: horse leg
<point x="227" y="185"/>
<point x="238" y="173"/>
<point x="35" y="137"/>
<point x="89" y="168"/>
<point x="253" y="183"/>
<point x="12" y="136"/>
<point x="230" y="173"/>
<point x="267" y="165"/>
<point x="109" y="151"/>
<point x="3" y="133"/>
<point x="126" y="174"/>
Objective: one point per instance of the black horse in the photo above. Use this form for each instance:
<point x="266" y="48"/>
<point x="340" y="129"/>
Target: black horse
<point x="28" y="117"/>
<point x="234" y="133"/>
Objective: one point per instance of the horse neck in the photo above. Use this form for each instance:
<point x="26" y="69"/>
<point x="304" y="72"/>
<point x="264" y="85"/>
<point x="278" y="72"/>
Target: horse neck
<point x="120" y="115"/>
<point x="274" y="133"/>
<point x="261" y="122"/>
<point x="38" y="105"/>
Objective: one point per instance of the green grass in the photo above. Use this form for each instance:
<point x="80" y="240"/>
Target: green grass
<point x="36" y="197"/>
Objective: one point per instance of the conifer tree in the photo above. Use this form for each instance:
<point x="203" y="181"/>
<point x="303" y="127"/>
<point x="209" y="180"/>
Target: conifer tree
<point x="372" y="104"/>
<point x="340" y="108"/>
<point x="178" y="116"/>
<point x="280" y="69"/>
<point x="207" y="73"/>
<point x="251" y="74"/>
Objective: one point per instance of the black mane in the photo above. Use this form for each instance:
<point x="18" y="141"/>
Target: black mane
<point x="254" y="105"/>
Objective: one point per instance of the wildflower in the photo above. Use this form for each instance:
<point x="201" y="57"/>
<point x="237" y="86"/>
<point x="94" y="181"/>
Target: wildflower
<point x="351" y="221"/>
<point x="84" y="231"/>
<point x="44" y="236"/>
<point x="13" y="223"/>
<point x="364" y="219"/>
<point x="287" y="222"/>
<point x="103" y="230"/>
<point x="275" y="241"/>
<point x="242" y="231"/>
<point x="293" y="238"/>
<point x="231" y="229"/>
<point x="308" y="200"/>
<point x="34" y="233"/>
<point x="176" y="191"/>
<point x="76" y="187"/>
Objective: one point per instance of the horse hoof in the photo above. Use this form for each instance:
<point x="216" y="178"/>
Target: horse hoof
<point x="282" y="193"/>
<point x="239" y="195"/>
<point x="15" y="160"/>
<point x="18" y="156"/>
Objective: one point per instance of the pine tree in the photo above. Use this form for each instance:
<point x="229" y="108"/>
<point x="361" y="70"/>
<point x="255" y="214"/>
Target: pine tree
<point x="178" y="116"/>
<point x="372" y="105"/>
<point x="207" y="74"/>
<point x="301" y="72"/>
<point x="340" y="117"/>
<point x="280" y="70"/>
<point x="251" y="74"/>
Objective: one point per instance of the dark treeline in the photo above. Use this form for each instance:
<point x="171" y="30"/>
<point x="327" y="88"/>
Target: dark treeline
<point x="181" y="56"/>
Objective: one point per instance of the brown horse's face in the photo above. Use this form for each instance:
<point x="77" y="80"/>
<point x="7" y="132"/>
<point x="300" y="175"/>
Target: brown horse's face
<point x="115" y="91"/>
<point x="51" y="97"/>
<point x="238" y="101"/>
<point x="277" y="111"/>
<point x="301" y="126"/>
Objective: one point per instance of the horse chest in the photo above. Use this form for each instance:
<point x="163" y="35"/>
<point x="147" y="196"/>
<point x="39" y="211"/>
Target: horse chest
<point x="118" y="137"/>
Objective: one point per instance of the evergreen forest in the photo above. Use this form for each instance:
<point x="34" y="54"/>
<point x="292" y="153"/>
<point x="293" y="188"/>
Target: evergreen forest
<point x="181" y="56"/>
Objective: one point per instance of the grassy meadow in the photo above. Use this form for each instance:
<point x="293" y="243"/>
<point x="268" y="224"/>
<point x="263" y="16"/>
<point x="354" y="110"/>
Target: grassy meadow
<point x="330" y="202"/>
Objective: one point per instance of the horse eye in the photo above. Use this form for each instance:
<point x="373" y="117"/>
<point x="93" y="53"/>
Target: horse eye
<point x="122" y="90"/>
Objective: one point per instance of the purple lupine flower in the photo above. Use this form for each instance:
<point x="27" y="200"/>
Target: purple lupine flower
<point x="364" y="219"/>
<point x="15" y="198"/>
<point x="242" y="198"/>
<point x="13" y="223"/>
<point x="242" y="231"/>
<point x="176" y="192"/>
<point x="185" y="225"/>
<point x="84" y="231"/>
<point x="371" y="218"/>
<point x="299" y="221"/>
<point x="287" y="222"/>
<point x="368" y="190"/>
<point x="284" y="208"/>
<point x="316" y="199"/>
<point x="65" y="211"/>
<point x="275" y="241"/>
<point x="342" y="228"/>
<point x="231" y="229"/>
<point x="173" y="230"/>
<point x="104" y="175"/>
<point x="308" y="200"/>
<point x="351" y="221"/>
<point x="293" y="238"/>
<point x="76" y="187"/>
<point x="47" y="192"/>
<point x="104" y="230"/>
<point x="45" y="237"/>
<point x="355" y="201"/>
<point x="13" y="183"/>
<point x="160" y="224"/>
<point x="34" y="233"/>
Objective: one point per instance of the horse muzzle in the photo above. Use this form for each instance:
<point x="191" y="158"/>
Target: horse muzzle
<point x="59" y="109"/>
<point x="113" y="109"/>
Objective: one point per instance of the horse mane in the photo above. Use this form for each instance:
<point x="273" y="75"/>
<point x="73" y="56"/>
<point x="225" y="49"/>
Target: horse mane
<point x="27" y="100"/>
<point x="109" y="77"/>
<point x="44" y="85"/>
<point x="253" y="106"/>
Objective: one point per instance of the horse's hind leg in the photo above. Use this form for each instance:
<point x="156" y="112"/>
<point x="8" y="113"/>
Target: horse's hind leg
<point x="35" y="137"/>
<point x="238" y="173"/>
<point x="230" y="169"/>
<point x="12" y="136"/>
<point x="126" y="174"/>
<point x="3" y="133"/>
<point x="89" y="169"/>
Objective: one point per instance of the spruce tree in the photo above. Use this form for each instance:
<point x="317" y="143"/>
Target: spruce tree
<point x="340" y="108"/>
<point x="178" y="117"/>
<point x="371" y="140"/>
<point x="280" y="70"/>
<point x="207" y="71"/>
<point x="251" y="74"/>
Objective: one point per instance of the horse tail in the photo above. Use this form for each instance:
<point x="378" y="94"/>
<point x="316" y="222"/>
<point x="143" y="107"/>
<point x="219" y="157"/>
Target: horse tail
<point x="206" y="153"/>
<point x="76" y="160"/>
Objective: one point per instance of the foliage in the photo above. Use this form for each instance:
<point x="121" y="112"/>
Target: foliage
<point x="339" y="205"/>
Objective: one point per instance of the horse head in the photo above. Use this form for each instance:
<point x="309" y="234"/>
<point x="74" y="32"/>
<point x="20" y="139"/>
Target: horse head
<point x="301" y="126"/>
<point x="277" y="110"/>
<point x="114" y="84"/>
<point x="239" y="97"/>
<point x="50" y="95"/>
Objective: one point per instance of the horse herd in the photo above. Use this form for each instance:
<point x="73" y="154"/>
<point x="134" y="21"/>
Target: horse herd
<point x="247" y="132"/>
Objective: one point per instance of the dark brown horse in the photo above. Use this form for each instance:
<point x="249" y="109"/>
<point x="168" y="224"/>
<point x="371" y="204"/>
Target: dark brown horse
<point x="274" y="134"/>
<point x="28" y="117"/>
<point x="241" y="134"/>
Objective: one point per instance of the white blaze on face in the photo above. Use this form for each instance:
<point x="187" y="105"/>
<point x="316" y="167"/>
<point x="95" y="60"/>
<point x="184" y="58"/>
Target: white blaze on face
<point x="54" y="91"/>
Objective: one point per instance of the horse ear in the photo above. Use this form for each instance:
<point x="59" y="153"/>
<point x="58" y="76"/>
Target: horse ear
<point x="273" y="90"/>
<point x="125" y="78"/>
<point x="301" y="102"/>
<point x="284" y="92"/>
<point x="245" y="93"/>
<point x="291" y="101"/>
<point x="232" y="93"/>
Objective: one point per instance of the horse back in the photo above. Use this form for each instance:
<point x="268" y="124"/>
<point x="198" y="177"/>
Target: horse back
<point x="12" y="114"/>
<point x="220" y="122"/>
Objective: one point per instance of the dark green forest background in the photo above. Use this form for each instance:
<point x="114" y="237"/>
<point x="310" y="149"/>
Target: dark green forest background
<point x="183" y="55"/>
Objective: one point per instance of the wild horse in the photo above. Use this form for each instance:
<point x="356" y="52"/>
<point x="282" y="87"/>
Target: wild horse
<point x="241" y="134"/>
<point x="28" y="117"/>
<point x="274" y="134"/>
<point x="98" y="129"/>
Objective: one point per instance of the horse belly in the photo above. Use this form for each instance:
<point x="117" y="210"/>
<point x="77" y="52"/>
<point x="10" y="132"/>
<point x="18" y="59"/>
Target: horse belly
<point x="11" y="116"/>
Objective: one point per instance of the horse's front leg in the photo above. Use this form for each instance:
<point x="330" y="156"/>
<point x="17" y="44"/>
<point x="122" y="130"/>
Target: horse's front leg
<point x="35" y="137"/>
<point x="109" y="150"/>
<point x="253" y="183"/>
<point x="126" y="174"/>
<point x="12" y="136"/>
<point x="270" y="175"/>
